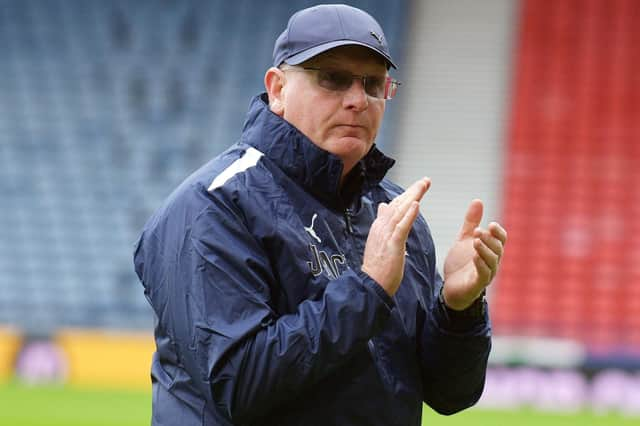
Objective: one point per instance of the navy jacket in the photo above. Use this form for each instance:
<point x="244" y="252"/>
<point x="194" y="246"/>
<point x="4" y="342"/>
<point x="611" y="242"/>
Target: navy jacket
<point x="264" y="317"/>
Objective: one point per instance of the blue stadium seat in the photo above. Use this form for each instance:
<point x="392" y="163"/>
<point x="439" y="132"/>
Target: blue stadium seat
<point x="105" y="107"/>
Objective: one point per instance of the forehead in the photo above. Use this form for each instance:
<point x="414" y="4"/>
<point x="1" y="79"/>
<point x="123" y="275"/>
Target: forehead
<point x="353" y="58"/>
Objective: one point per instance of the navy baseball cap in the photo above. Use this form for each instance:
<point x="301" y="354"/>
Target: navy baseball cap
<point x="319" y="28"/>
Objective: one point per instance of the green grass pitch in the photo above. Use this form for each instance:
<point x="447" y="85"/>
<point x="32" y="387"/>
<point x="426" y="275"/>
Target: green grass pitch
<point x="22" y="405"/>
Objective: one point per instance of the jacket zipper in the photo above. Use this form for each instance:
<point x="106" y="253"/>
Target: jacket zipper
<point x="347" y="219"/>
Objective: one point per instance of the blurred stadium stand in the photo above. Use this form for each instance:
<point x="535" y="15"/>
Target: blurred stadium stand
<point x="104" y="107"/>
<point x="572" y="195"/>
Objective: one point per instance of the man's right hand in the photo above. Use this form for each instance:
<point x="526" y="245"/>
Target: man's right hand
<point x="385" y="249"/>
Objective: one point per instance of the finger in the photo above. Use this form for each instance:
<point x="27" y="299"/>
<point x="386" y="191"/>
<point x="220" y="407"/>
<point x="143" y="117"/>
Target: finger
<point x="485" y="274"/>
<point x="403" y="202"/>
<point x="494" y="244"/>
<point x="472" y="219"/>
<point x="498" y="231"/>
<point x="488" y="255"/>
<point x="415" y="192"/>
<point x="382" y="209"/>
<point x="402" y="229"/>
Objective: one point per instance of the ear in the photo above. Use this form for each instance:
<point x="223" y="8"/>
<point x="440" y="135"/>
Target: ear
<point x="274" y="83"/>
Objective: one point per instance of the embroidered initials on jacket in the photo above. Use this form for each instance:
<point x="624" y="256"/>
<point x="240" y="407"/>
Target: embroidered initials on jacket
<point x="322" y="261"/>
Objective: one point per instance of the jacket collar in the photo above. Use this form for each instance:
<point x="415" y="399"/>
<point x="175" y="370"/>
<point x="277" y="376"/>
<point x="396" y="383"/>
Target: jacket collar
<point x="317" y="170"/>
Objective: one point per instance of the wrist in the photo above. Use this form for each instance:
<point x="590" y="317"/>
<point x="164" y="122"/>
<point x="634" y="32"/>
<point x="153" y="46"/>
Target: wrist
<point x="457" y="301"/>
<point x="476" y="309"/>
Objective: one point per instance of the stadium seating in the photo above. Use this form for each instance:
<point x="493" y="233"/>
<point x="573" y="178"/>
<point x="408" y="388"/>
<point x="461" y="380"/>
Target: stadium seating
<point x="104" y="108"/>
<point x="571" y="194"/>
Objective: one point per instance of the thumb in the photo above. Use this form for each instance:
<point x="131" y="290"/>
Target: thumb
<point x="472" y="219"/>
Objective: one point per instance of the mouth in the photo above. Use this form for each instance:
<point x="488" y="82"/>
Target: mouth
<point x="352" y="130"/>
<point x="351" y="125"/>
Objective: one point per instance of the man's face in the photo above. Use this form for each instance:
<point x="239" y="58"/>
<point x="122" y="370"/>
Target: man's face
<point x="344" y="123"/>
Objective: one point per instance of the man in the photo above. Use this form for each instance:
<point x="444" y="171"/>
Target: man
<point x="293" y="284"/>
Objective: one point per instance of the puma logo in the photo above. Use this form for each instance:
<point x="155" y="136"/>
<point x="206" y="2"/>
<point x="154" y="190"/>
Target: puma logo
<point x="377" y="36"/>
<point x="310" y="230"/>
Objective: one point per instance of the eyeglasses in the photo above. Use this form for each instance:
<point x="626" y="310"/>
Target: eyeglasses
<point x="341" y="81"/>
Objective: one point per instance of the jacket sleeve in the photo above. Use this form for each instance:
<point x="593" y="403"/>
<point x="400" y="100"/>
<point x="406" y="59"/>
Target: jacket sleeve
<point x="250" y="358"/>
<point x="453" y="355"/>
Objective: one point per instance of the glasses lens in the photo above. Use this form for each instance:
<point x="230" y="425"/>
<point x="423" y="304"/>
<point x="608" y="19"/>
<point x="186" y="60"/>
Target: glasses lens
<point x="375" y="86"/>
<point x="340" y="81"/>
<point x="335" y="80"/>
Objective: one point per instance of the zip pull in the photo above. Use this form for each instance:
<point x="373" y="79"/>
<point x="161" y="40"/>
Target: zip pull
<point x="347" y="219"/>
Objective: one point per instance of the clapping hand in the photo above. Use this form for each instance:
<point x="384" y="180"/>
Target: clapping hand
<point x="473" y="260"/>
<point x="386" y="244"/>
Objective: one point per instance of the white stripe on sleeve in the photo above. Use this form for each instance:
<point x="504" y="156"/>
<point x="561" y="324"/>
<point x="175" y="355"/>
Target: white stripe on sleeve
<point x="249" y="159"/>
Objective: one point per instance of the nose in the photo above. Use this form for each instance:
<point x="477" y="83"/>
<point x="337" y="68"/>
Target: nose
<point x="356" y="98"/>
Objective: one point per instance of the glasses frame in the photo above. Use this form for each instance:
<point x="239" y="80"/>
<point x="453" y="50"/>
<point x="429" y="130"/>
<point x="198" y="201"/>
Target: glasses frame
<point x="390" y="87"/>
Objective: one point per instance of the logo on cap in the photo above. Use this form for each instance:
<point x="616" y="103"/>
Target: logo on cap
<point x="376" y="36"/>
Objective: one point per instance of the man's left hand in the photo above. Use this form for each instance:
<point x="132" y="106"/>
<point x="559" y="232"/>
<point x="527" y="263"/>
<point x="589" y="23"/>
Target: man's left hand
<point x="473" y="260"/>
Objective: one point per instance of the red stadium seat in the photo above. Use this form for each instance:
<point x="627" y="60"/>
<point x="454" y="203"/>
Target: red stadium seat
<point x="572" y="189"/>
